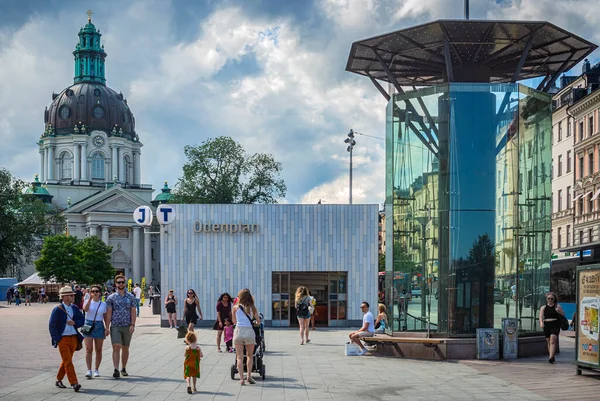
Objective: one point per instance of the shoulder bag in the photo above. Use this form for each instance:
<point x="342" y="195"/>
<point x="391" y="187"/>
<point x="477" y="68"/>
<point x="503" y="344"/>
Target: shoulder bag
<point x="87" y="328"/>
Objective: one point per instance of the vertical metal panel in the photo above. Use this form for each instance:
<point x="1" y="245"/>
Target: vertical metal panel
<point x="296" y="238"/>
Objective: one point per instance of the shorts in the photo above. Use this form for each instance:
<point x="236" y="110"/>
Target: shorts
<point x="191" y="319"/>
<point x="120" y="335"/>
<point x="171" y="309"/>
<point x="552" y="327"/>
<point x="98" y="330"/>
<point x="244" y="335"/>
<point x="362" y="334"/>
<point x="28" y="297"/>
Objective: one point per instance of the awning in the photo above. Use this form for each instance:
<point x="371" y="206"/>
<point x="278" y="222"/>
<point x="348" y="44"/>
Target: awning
<point x="577" y="197"/>
<point x="596" y="194"/>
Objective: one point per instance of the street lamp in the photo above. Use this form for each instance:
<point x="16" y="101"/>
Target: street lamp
<point x="351" y="142"/>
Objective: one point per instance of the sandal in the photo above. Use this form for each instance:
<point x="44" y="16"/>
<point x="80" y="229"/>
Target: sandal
<point x="250" y="380"/>
<point x="219" y="350"/>
<point x="307" y="341"/>
<point x="242" y="382"/>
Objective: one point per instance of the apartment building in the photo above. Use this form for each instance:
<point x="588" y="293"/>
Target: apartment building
<point x="584" y="112"/>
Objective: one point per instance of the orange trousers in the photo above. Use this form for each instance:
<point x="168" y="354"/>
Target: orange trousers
<point x="66" y="347"/>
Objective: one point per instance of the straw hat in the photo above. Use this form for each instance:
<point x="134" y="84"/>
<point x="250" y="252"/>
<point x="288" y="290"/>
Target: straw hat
<point x="66" y="290"/>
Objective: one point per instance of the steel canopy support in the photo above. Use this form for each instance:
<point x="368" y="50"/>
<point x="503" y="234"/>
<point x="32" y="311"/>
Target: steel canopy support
<point x="448" y="57"/>
<point x="555" y="76"/>
<point x="378" y="86"/>
<point x="522" y="60"/>
<point x="429" y="120"/>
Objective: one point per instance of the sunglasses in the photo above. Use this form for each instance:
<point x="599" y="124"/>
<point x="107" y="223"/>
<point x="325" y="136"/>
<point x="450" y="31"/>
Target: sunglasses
<point x="551" y="299"/>
<point x="95" y="291"/>
<point x="190" y="293"/>
<point x="120" y="282"/>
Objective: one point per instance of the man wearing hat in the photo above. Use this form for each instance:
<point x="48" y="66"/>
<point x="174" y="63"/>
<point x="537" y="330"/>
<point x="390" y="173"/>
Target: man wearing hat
<point x="65" y="319"/>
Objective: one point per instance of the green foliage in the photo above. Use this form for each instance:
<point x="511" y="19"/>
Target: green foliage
<point x="24" y="221"/>
<point x="403" y="262"/>
<point x="219" y="171"/>
<point x="66" y="259"/>
<point x="382" y="262"/>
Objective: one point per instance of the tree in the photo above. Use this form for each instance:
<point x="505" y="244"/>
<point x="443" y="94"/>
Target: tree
<point x="94" y="257"/>
<point x="220" y="171"/>
<point x="59" y="259"/>
<point x="66" y="258"/>
<point x="24" y="221"/>
<point x="382" y="262"/>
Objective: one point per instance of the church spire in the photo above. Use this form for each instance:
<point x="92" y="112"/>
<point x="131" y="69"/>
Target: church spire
<point x="89" y="55"/>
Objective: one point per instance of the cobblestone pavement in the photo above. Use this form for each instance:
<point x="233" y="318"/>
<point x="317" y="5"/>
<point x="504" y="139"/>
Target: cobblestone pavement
<point x="316" y="371"/>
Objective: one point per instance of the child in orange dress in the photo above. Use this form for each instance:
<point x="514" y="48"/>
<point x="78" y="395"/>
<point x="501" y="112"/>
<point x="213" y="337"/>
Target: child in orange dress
<point x="191" y="364"/>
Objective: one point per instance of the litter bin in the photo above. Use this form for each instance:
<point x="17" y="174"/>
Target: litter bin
<point x="156" y="304"/>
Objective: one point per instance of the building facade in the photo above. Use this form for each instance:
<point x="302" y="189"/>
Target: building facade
<point x="90" y="162"/>
<point x="584" y="111"/>
<point x="272" y="250"/>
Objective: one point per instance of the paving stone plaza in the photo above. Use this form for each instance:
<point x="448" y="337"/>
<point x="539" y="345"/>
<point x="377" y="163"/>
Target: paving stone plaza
<point x="317" y="371"/>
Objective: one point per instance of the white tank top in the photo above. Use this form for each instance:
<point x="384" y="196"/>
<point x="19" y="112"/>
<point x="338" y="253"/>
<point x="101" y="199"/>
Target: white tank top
<point x="241" y="318"/>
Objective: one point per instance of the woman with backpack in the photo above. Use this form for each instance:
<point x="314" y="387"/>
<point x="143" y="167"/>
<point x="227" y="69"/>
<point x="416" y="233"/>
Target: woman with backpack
<point x="303" y="312"/>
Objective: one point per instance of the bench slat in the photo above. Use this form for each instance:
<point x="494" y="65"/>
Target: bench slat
<point x="403" y="340"/>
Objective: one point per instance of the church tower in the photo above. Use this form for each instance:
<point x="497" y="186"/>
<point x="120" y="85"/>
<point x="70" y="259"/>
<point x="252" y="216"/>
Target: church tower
<point x="89" y="141"/>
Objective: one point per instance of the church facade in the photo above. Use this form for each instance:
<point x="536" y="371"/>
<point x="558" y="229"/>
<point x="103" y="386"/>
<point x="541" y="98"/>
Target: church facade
<point x="90" y="162"/>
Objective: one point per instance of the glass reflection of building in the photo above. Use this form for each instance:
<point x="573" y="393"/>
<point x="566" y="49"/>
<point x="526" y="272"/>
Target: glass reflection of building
<point x="468" y="180"/>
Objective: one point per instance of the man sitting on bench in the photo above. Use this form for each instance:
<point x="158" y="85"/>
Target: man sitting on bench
<point x="367" y="329"/>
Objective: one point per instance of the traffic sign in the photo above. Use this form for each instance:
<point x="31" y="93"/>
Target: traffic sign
<point x="165" y="214"/>
<point x="143" y="216"/>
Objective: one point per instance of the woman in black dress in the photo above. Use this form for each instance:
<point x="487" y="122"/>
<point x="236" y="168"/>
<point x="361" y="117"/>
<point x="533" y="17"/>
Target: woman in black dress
<point x="223" y="311"/>
<point x="550" y="322"/>
<point x="171" y="305"/>
<point x="191" y="304"/>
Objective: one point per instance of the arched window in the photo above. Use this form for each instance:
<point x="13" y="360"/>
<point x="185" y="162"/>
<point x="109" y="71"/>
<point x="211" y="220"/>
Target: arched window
<point x="65" y="162"/>
<point x="97" y="166"/>
<point x="128" y="169"/>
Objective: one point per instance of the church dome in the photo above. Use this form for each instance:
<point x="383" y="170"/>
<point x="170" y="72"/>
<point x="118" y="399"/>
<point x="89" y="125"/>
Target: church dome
<point x="94" y="105"/>
<point x="89" y="104"/>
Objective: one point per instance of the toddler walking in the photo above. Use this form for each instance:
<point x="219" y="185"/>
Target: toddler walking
<point x="228" y="334"/>
<point x="191" y="364"/>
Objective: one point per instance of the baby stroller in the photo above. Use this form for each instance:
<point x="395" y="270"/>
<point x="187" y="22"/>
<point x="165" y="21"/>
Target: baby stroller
<point x="257" y="359"/>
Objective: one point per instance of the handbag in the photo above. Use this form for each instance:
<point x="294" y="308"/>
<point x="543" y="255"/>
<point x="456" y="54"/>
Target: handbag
<point x="564" y="322"/>
<point x="181" y="331"/>
<point x="87" y="328"/>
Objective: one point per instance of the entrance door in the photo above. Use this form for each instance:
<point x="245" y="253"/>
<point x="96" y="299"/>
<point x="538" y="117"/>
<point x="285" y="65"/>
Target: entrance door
<point x="337" y="299"/>
<point x="281" y="299"/>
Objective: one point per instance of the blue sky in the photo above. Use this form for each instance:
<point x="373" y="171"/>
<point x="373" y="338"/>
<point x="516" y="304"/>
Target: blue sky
<point x="268" y="73"/>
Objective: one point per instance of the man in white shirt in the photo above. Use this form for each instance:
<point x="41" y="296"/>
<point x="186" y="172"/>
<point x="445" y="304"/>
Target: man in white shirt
<point x="367" y="329"/>
<point x="138" y="297"/>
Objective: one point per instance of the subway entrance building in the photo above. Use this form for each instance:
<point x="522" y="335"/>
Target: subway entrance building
<point x="272" y="250"/>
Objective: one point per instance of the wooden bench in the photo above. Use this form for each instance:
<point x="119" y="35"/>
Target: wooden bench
<point x="396" y="341"/>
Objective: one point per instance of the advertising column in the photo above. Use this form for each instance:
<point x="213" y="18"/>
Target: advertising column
<point x="588" y="294"/>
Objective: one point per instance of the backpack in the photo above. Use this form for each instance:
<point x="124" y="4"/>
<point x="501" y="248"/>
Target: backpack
<point x="302" y="309"/>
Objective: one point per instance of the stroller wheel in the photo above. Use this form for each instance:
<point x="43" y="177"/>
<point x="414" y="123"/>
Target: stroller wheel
<point x="263" y="371"/>
<point x="233" y="369"/>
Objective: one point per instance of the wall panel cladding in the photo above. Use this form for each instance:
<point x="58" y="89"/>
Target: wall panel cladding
<point x="244" y="244"/>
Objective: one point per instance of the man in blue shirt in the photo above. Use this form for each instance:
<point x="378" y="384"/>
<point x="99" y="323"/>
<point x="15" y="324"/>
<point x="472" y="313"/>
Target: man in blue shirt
<point x="64" y="321"/>
<point x="121" y="324"/>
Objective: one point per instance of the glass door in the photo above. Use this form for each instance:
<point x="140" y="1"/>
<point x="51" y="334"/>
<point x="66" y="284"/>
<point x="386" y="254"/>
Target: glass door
<point x="280" y="299"/>
<point x="337" y="299"/>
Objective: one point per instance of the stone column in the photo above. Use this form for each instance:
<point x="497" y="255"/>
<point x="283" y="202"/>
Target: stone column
<point x="122" y="166"/>
<point x="51" y="162"/>
<point x="136" y="168"/>
<point x="76" y="161"/>
<point x="84" y="162"/>
<point x="105" y="230"/>
<point x="42" y="165"/>
<point x="136" y="256"/>
<point x="93" y="230"/>
<point x="115" y="164"/>
<point x="147" y="259"/>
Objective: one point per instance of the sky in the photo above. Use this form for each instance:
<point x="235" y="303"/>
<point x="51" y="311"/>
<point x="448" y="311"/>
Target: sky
<point x="269" y="73"/>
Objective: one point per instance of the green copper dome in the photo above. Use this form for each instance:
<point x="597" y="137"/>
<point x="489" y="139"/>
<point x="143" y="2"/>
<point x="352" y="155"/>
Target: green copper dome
<point x="36" y="190"/>
<point x="164" y="196"/>
<point x="89" y="55"/>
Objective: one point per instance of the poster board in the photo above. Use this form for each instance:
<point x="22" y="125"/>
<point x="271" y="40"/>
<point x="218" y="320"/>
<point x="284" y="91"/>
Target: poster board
<point x="588" y="303"/>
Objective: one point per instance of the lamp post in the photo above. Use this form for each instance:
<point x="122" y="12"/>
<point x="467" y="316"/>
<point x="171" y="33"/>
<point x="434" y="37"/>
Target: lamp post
<point x="351" y="142"/>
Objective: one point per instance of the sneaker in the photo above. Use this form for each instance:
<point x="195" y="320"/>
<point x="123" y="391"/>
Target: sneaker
<point x="116" y="374"/>
<point x="88" y="374"/>
<point x="96" y="373"/>
<point x="363" y="351"/>
<point x="124" y="373"/>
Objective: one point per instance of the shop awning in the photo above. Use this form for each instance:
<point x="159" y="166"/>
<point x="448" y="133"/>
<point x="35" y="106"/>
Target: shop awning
<point x="577" y="197"/>
<point x="596" y="195"/>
